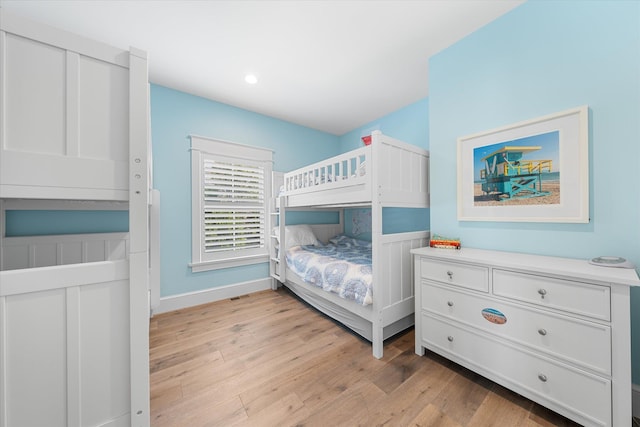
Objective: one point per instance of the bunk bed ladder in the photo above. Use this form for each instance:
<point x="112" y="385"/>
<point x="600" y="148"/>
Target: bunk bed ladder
<point x="274" y="229"/>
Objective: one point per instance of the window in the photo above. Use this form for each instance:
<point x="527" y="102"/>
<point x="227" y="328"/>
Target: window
<point x="230" y="188"/>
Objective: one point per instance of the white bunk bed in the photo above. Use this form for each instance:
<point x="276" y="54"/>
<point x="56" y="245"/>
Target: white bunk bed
<point x="74" y="309"/>
<point x="386" y="173"/>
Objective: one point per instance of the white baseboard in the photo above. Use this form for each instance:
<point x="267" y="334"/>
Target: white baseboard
<point x="176" y="302"/>
<point x="635" y="400"/>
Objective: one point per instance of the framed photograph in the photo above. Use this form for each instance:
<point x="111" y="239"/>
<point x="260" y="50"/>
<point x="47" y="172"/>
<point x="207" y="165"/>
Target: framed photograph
<point x="533" y="171"/>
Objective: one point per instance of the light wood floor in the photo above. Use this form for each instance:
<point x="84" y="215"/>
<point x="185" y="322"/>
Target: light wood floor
<point x="267" y="359"/>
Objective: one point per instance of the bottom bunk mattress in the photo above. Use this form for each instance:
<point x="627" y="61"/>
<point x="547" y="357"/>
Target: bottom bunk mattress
<point x="342" y="266"/>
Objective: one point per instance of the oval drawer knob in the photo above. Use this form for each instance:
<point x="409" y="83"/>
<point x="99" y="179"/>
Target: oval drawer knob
<point x="542" y="292"/>
<point x="450" y="303"/>
<point x="542" y="377"/>
<point x="542" y="331"/>
<point x="450" y="274"/>
<point x="450" y="338"/>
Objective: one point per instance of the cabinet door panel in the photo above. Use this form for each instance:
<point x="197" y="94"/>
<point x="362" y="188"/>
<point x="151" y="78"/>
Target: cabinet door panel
<point x="575" y="393"/>
<point x="575" y="297"/>
<point x="577" y="341"/>
<point x="463" y="275"/>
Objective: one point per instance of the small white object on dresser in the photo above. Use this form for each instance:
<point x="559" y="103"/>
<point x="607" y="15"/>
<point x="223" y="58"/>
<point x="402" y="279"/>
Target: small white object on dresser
<point x="555" y="330"/>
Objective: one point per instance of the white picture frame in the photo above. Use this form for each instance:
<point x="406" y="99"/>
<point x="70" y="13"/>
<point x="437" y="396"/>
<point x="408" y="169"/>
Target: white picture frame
<point x="532" y="171"/>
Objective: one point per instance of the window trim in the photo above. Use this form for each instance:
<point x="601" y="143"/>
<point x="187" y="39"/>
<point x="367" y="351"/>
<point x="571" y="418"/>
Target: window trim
<point x="204" y="147"/>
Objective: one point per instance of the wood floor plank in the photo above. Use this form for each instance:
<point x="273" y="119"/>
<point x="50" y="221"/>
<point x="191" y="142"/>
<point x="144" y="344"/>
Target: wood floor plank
<point x="463" y="396"/>
<point x="259" y="368"/>
<point x="302" y="380"/>
<point x="405" y="402"/>
<point x="397" y="371"/>
<point x="286" y="411"/>
<point x="194" y="318"/>
<point x="348" y="409"/>
<point x="237" y="319"/>
<point x="267" y="359"/>
<point x="213" y="360"/>
<point x="348" y="373"/>
<point x="165" y="394"/>
<point x="543" y="417"/>
<point x="501" y="408"/>
<point x="182" y="356"/>
<point x="227" y="413"/>
<point x="210" y="405"/>
<point x="431" y="416"/>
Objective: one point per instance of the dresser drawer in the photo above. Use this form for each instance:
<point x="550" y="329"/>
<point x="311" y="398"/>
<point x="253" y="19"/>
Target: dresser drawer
<point x="463" y="275"/>
<point x="575" y="297"/>
<point x="587" y="397"/>
<point x="577" y="341"/>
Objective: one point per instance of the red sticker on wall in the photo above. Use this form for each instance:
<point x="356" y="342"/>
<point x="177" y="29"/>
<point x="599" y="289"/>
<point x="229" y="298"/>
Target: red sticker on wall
<point x="494" y="316"/>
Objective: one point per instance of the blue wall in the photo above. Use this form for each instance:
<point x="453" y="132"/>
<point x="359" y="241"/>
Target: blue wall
<point x="175" y="115"/>
<point x="541" y="58"/>
<point x="409" y="124"/>
<point x="46" y="222"/>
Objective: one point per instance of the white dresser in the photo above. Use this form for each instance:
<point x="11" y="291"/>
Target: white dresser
<point x="555" y="330"/>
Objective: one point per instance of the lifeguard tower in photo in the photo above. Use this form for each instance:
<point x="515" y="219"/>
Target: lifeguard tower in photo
<point x="505" y="172"/>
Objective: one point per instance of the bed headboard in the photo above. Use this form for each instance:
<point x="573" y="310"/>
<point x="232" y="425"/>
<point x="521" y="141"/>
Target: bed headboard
<point x="324" y="232"/>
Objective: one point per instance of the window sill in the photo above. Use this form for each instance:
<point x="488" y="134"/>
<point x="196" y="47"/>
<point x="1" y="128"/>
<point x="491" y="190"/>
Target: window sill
<point x="197" y="267"/>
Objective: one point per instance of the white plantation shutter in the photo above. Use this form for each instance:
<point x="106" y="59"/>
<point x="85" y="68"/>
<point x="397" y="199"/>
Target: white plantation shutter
<point x="234" y="206"/>
<point x="229" y="203"/>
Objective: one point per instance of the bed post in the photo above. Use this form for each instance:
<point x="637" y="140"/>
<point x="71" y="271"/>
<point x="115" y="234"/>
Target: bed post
<point x="377" y="336"/>
<point x="139" y="237"/>
<point x="282" y="221"/>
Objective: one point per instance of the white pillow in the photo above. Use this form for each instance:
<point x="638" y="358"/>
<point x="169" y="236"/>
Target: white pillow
<point x="298" y="235"/>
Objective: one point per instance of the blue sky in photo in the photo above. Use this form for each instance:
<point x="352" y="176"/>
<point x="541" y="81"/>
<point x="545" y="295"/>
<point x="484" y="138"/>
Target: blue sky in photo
<point x="549" y="143"/>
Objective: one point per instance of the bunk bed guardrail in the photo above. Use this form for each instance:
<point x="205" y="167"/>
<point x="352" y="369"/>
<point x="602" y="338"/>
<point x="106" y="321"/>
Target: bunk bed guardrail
<point x="45" y="251"/>
<point x="397" y="171"/>
<point x="344" y="170"/>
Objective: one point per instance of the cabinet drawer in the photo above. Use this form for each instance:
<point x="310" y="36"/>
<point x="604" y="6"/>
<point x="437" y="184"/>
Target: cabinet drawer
<point x="577" y="341"/>
<point x="584" y="396"/>
<point x="463" y="275"/>
<point x="575" y="297"/>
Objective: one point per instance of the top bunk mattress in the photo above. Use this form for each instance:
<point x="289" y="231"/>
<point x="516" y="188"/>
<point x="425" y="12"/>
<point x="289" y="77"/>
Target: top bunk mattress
<point x="342" y="266"/>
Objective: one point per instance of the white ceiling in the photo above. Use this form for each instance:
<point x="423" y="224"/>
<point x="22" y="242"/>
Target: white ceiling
<point x="330" y="65"/>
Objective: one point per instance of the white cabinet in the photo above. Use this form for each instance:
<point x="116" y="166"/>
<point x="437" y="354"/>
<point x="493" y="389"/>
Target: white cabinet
<point x="555" y="330"/>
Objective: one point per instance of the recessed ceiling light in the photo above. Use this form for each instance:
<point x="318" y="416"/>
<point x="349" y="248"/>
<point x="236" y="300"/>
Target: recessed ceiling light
<point x="251" y="79"/>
